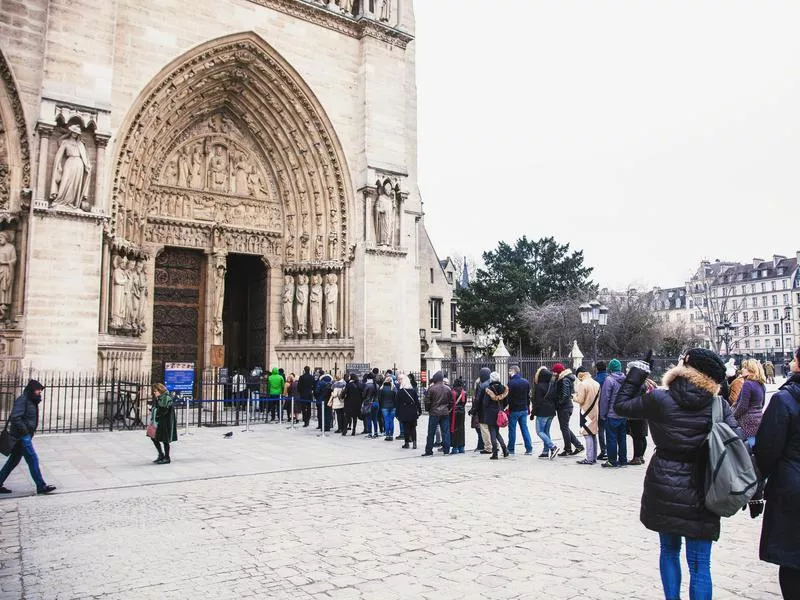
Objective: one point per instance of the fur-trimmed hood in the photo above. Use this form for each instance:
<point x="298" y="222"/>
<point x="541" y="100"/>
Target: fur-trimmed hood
<point x="497" y="397"/>
<point x="565" y="373"/>
<point x="689" y="387"/>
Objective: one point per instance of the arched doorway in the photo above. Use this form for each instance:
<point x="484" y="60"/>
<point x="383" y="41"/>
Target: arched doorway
<point x="229" y="175"/>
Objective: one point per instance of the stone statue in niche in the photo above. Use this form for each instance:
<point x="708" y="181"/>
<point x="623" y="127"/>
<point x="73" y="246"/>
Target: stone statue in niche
<point x="288" y="304"/>
<point x="220" y="268"/>
<point x="119" y="283"/>
<point x="183" y="168"/>
<point x="171" y="174"/>
<point x="131" y="298"/>
<point x="196" y="169"/>
<point x="386" y="10"/>
<point x="8" y="260"/>
<point x="346" y="6"/>
<point x="315" y="301"/>
<point x="384" y="215"/>
<point x="255" y="186"/>
<point x="218" y="170"/>
<point x="141" y="290"/>
<point x="241" y="169"/>
<point x="331" y="302"/>
<point x="70" y="183"/>
<point x="301" y="304"/>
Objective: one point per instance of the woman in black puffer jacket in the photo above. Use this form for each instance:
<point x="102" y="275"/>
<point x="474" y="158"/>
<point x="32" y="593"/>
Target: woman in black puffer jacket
<point x="673" y="502"/>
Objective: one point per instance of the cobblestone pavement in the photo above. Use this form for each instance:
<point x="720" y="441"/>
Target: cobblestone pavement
<point x="286" y="514"/>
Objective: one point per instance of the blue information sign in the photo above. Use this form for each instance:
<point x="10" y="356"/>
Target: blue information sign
<point x="179" y="379"/>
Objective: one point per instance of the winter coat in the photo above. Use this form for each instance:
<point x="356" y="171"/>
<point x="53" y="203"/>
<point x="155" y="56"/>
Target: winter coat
<point x="353" y="397"/>
<point x="305" y="386"/>
<point x="164" y="416"/>
<point x="371" y="392"/>
<point x="601" y="377"/>
<point x="386" y="397"/>
<point x="337" y="394"/>
<point x="735" y="390"/>
<point x="769" y="369"/>
<point x="322" y="392"/>
<point x="494" y="401"/>
<point x="680" y="419"/>
<point x="408" y="406"/>
<point x="565" y="388"/>
<point x="480" y="389"/>
<point x="275" y="383"/>
<point x="587" y="397"/>
<point x="607" y="393"/>
<point x="543" y="400"/>
<point x="438" y="400"/>
<point x="747" y="410"/>
<point x="778" y="458"/>
<point x="519" y="394"/>
<point x="24" y="417"/>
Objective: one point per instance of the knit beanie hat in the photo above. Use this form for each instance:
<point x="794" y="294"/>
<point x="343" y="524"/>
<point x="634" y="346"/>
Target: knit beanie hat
<point x="614" y="366"/>
<point x="580" y="370"/>
<point x="494" y="376"/>
<point x="438" y="377"/>
<point x="558" y="368"/>
<point x="707" y="362"/>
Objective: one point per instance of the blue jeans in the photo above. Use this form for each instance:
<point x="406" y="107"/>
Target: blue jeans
<point x="388" y="421"/>
<point x="433" y="423"/>
<point x="24" y="447"/>
<point x="543" y="431"/>
<point x="520" y="417"/>
<point x="698" y="556"/>
<point x="372" y="420"/>
<point x="617" y="440"/>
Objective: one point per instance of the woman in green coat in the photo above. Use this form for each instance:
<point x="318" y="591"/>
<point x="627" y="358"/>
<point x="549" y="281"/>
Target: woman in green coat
<point x="165" y="421"/>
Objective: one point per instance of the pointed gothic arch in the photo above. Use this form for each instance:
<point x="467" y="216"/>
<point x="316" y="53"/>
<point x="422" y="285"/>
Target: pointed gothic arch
<point x="239" y="105"/>
<point x="15" y="160"/>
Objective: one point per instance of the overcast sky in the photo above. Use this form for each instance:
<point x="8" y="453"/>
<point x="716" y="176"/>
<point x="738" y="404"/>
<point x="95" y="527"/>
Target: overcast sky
<point x="649" y="134"/>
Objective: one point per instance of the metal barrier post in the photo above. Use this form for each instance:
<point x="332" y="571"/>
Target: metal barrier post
<point x="280" y="410"/>
<point x="247" y="416"/>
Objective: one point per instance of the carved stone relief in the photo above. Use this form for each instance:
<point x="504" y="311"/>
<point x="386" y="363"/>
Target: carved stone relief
<point x="310" y="302"/>
<point x="71" y="169"/>
<point x="8" y="261"/>
<point x="220" y="268"/>
<point x="129" y="293"/>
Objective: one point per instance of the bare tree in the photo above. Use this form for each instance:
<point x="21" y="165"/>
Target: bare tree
<point x="633" y="327"/>
<point x="723" y="318"/>
<point x="459" y="260"/>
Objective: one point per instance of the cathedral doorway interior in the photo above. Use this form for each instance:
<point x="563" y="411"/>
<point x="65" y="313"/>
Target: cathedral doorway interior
<point x="244" y="313"/>
<point x="178" y="308"/>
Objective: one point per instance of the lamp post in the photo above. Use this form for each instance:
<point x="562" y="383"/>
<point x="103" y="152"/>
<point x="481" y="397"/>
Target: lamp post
<point x="724" y="331"/>
<point x="787" y="315"/>
<point x="595" y="316"/>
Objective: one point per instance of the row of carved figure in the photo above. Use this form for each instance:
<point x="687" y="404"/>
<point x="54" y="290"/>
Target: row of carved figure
<point x="128" y="295"/>
<point x="347" y="6"/>
<point x="303" y="302"/>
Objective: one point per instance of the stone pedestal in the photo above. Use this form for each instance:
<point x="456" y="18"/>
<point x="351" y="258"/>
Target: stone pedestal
<point x="63" y="291"/>
<point x="501" y="356"/>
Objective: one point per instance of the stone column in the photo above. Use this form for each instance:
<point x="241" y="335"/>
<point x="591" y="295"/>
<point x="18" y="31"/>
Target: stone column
<point x="501" y="356"/>
<point x="99" y="170"/>
<point x="44" y="130"/>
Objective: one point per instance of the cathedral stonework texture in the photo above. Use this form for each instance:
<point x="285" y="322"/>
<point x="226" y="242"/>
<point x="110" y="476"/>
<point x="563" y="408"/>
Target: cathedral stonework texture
<point x="226" y="178"/>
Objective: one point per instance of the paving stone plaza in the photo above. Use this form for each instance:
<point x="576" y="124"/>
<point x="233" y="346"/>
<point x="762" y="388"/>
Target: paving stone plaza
<point x="276" y="513"/>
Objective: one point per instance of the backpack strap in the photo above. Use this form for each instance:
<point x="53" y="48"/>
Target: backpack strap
<point x="716" y="410"/>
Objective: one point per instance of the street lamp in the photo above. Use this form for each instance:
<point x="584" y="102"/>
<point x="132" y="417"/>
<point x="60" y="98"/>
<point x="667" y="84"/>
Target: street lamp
<point x="787" y="315"/>
<point x="594" y="315"/>
<point x="724" y="331"/>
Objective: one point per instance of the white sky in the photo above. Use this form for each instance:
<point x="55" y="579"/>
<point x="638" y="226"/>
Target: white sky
<point x="649" y="134"/>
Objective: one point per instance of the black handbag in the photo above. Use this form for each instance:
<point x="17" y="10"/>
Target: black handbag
<point x="7" y="441"/>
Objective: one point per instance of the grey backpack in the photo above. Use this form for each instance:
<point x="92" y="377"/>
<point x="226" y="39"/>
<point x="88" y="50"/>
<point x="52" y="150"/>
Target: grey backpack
<point x="731" y="480"/>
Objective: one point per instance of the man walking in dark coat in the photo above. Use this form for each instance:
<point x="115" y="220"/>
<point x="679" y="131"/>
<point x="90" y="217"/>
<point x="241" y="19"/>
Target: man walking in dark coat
<point x="22" y="423"/>
<point x="305" y="391"/>
<point x="438" y="403"/>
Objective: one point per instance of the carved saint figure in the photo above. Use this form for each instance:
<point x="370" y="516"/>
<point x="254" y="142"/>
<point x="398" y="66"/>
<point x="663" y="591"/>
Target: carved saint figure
<point x="346" y="6"/>
<point x="183" y="168"/>
<point x="119" y="282"/>
<point x="384" y="211"/>
<point x="315" y="302"/>
<point x="196" y="173"/>
<point x="386" y="10"/>
<point x="240" y="175"/>
<point x="141" y="285"/>
<point x="301" y="304"/>
<point x="220" y="267"/>
<point x="8" y="259"/>
<point x="171" y="174"/>
<point x="131" y="297"/>
<point x="331" y="302"/>
<point x="288" y="303"/>
<point x="218" y="170"/>
<point x="70" y="183"/>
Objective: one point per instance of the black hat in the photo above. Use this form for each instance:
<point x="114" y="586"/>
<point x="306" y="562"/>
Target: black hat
<point x="707" y="362"/>
<point x="580" y="370"/>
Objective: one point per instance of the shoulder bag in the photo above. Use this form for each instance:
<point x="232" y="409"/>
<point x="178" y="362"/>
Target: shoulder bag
<point x="7" y="441"/>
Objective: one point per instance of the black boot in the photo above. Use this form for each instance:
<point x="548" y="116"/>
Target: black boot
<point x="493" y="456"/>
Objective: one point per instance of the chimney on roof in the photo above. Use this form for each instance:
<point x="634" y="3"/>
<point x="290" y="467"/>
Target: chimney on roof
<point x="757" y="261"/>
<point x="797" y="255"/>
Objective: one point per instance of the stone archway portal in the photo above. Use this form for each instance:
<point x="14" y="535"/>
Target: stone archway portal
<point x="229" y="153"/>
